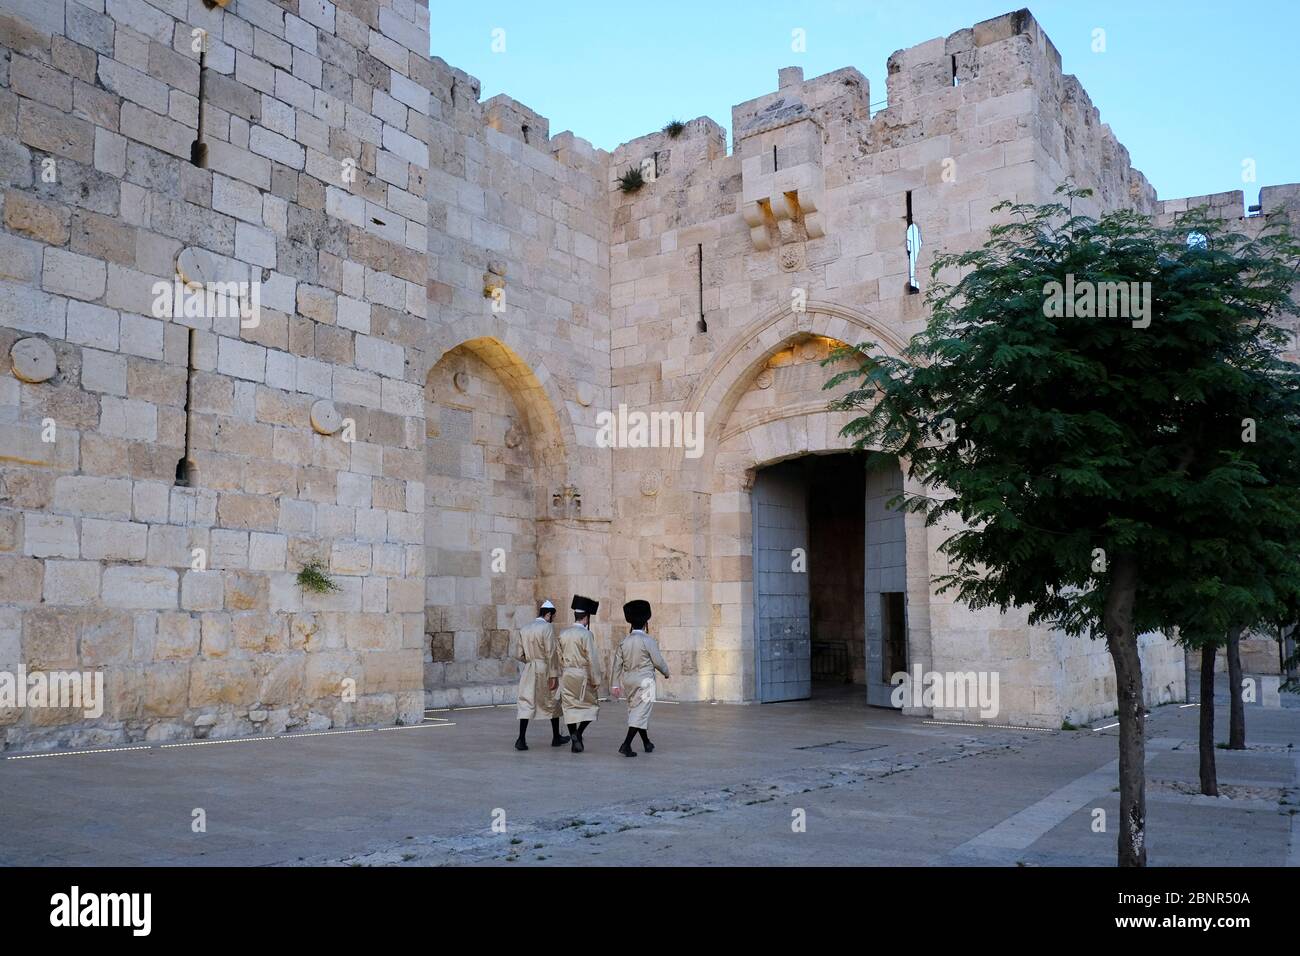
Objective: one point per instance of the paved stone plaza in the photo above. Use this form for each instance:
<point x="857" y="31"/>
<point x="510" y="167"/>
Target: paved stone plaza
<point x="877" y="788"/>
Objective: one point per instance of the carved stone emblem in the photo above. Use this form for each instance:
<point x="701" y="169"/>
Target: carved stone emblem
<point x="791" y="257"/>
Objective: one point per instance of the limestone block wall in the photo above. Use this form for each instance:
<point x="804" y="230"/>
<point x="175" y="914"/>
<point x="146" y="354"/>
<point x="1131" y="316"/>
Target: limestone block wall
<point x="517" y="369"/>
<point x="947" y="152"/>
<point x="468" y="293"/>
<point x="315" y="117"/>
<point x="1087" y="677"/>
<point x="481" y="475"/>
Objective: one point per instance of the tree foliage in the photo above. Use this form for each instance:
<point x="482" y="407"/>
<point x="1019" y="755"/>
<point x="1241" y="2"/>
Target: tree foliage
<point x="1102" y="418"/>
<point x="1055" y="443"/>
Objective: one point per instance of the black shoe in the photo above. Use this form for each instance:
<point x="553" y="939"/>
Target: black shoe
<point x="627" y="751"/>
<point x="559" y="741"/>
<point x="520" y="745"/>
<point x="649" y="747"/>
<point x="577" y="745"/>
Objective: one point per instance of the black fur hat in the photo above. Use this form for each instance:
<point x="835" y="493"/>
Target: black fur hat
<point x="636" y="612"/>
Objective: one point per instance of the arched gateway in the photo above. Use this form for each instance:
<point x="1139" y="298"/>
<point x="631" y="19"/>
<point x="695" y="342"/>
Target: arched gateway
<point x="813" y="581"/>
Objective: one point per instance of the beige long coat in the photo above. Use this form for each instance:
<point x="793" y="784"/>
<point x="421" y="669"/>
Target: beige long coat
<point x="537" y="650"/>
<point x="635" y="663"/>
<point x="580" y="663"/>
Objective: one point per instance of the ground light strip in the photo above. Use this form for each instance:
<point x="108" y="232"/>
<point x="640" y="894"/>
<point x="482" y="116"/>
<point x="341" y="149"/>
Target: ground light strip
<point x="430" y="723"/>
<point x="443" y="710"/>
<point x="960" y="723"/>
<point x="78" y="753"/>
<point x="447" y="710"/>
<point x="1097" y="730"/>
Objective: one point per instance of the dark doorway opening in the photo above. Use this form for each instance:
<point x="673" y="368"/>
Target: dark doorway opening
<point x="836" y="516"/>
<point x="809" y="565"/>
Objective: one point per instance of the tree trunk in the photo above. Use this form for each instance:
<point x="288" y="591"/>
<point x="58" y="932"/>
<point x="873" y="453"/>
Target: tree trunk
<point x="1209" y="779"/>
<point x="1288" y="665"/>
<point x="1117" y="619"/>
<point x="1236" y="706"/>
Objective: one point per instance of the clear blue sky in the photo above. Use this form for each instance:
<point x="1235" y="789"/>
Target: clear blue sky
<point x="1191" y="87"/>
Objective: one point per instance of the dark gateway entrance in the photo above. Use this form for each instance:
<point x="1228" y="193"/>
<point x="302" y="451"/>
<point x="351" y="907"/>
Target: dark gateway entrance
<point x="829" y="578"/>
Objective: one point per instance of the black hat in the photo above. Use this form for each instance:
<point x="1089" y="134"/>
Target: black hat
<point x="584" y="604"/>
<point x="636" y="612"/>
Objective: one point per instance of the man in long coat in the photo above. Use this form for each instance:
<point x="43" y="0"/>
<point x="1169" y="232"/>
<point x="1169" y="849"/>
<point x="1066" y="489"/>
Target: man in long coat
<point x="537" y="650"/>
<point x="635" y="663"/>
<point x="580" y="678"/>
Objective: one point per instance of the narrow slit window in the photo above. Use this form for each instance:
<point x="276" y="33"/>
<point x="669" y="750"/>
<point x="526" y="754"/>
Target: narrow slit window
<point x="198" y="148"/>
<point x="913" y="248"/>
<point x="185" y="476"/>
<point x="699" y="259"/>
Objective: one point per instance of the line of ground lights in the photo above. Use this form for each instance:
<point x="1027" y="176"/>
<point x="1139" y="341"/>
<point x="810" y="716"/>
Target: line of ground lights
<point x="429" y="723"/>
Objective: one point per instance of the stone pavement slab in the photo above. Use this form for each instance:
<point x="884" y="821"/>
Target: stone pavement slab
<point x="727" y="785"/>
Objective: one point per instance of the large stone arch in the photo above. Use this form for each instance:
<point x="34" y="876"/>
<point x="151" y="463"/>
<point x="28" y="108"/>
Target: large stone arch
<point x="727" y="376"/>
<point x="736" y="446"/>
<point x="498" y="444"/>
<point x="504" y="347"/>
<point x="729" y="654"/>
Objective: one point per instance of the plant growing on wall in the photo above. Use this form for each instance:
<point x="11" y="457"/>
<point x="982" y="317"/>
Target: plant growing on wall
<point x="1115" y="472"/>
<point x="674" y="128"/>
<point x="632" y="180"/>
<point x="313" y="578"/>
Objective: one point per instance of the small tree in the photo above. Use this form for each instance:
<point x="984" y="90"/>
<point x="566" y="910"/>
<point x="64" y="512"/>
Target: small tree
<point x="1243" y="524"/>
<point x="1236" y="704"/>
<point x="1070" y="442"/>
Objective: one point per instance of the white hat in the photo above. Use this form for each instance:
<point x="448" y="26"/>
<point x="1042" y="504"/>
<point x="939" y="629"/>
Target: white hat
<point x="548" y="606"/>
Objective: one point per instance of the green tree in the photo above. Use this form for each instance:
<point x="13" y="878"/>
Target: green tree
<point x="1240" y="570"/>
<point x="1074" y="447"/>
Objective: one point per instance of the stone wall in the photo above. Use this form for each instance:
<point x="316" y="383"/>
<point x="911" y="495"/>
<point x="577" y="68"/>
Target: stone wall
<point x="519" y="306"/>
<point x="315" y="119"/>
<point x="812" y="205"/>
<point x="451" y="297"/>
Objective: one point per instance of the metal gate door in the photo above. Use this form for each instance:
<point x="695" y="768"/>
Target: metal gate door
<point x="781" y="603"/>
<point x="886" y="585"/>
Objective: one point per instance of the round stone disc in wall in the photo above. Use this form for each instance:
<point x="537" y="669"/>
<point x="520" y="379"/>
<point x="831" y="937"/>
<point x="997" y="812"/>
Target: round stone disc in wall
<point x="325" y="418"/>
<point x="586" y="393"/>
<point x="33" y="360"/>
<point x="461" y="381"/>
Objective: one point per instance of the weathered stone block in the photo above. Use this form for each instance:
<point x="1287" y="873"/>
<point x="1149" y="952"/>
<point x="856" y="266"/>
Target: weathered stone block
<point x="214" y="682"/>
<point x="130" y="587"/>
